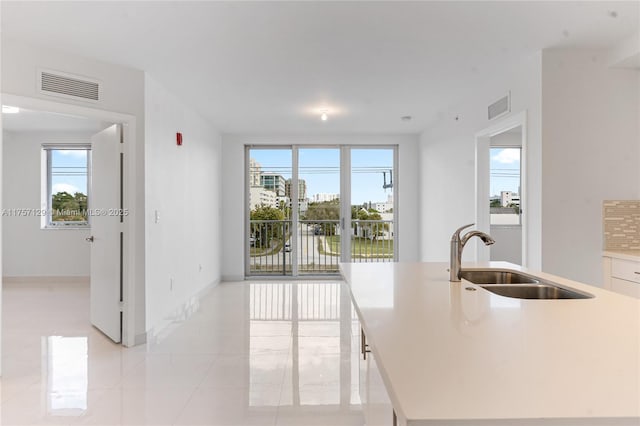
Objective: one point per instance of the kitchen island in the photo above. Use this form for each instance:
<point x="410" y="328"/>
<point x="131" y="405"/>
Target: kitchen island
<point x="457" y="354"/>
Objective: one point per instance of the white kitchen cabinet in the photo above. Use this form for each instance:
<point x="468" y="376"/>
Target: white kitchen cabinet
<point x="622" y="274"/>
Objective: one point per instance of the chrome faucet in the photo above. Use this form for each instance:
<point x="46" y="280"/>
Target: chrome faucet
<point x="458" y="243"/>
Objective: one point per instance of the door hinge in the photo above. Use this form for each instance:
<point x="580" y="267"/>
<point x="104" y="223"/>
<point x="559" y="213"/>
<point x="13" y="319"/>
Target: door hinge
<point x="121" y="306"/>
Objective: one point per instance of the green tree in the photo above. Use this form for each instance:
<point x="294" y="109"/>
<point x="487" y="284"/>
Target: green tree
<point x="367" y="220"/>
<point x="266" y="213"/>
<point x="495" y="203"/>
<point x="264" y="233"/>
<point x="67" y="207"/>
<point x="327" y="210"/>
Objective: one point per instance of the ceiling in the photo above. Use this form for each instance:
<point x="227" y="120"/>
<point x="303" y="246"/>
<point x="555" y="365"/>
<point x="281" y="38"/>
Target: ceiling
<point x="39" y="121"/>
<point x="268" y="67"/>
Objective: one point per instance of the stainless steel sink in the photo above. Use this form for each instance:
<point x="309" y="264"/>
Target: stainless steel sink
<point x="518" y="285"/>
<point x="496" y="276"/>
<point x="535" y="291"/>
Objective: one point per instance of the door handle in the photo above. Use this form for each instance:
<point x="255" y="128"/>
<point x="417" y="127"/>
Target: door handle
<point x="89" y="239"/>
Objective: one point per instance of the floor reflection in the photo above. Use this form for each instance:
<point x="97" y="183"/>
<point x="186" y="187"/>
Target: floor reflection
<point x="253" y="353"/>
<point x="65" y="371"/>
<point x="317" y="320"/>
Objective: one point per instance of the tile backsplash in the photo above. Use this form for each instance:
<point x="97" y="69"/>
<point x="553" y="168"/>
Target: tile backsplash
<point x="621" y="224"/>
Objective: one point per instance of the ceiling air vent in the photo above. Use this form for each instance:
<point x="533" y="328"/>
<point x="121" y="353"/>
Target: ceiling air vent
<point x="69" y="86"/>
<point x="500" y="107"/>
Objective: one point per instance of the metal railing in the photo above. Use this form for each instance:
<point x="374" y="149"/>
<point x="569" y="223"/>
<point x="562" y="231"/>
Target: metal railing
<point x="311" y="301"/>
<point x="318" y="249"/>
<point x="372" y="241"/>
<point x="316" y="254"/>
<point x="270" y="247"/>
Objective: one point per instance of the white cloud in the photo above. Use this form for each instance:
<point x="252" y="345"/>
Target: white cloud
<point x="507" y="156"/>
<point x="64" y="187"/>
<point x="76" y="153"/>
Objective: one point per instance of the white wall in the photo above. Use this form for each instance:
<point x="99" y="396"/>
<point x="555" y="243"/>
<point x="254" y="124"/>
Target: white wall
<point x="123" y="92"/>
<point x="183" y="186"/>
<point x="447" y="160"/>
<point x="508" y="245"/>
<point x="233" y="201"/>
<point x="28" y="249"/>
<point x="591" y="141"/>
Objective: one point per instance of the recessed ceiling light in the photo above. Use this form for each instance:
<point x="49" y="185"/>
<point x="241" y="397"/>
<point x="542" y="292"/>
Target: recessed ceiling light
<point x="6" y="109"/>
<point x="324" y="114"/>
<point x="406" y="118"/>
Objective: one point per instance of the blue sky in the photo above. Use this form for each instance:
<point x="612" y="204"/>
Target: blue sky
<point x="69" y="171"/>
<point x="320" y="168"/>
<point x="505" y="170"/>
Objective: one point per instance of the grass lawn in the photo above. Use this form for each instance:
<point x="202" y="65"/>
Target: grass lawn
<point x="363" y="247"/>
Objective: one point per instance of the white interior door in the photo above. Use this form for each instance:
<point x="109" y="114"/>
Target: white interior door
<point x="105" y="203"/>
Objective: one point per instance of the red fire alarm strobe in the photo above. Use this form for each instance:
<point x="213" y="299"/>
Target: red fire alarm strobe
<point x="179" y="138"/>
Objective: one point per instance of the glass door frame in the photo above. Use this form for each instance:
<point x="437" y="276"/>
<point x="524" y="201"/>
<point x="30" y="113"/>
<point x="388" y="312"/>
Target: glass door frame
<point x="345" y="202"/>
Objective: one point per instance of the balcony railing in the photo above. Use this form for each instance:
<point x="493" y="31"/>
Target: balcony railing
<point x="318" y="248"/>
<point x="270" y="247"/>
<point x="372" y="241"/>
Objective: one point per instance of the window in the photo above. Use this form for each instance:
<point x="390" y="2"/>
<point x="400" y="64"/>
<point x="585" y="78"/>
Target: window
<point x="66" y="190"/>
<point x="504" y="184"/>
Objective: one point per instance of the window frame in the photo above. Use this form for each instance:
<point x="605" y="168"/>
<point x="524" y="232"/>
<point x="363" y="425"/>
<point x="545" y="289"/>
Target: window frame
<point x="47" y="186"/>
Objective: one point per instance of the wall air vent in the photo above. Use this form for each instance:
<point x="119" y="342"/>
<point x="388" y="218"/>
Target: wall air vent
<point x="68" y="86"/>
<point x="500" y="107"/>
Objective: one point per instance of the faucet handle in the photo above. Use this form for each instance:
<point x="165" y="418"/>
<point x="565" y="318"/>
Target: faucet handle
<point x="456" y="234"/>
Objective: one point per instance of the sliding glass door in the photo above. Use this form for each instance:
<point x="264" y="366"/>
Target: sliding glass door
<point x="309" y="208"/>
<point x="319" y="210"/>
<point x="268" y="240"/>
<point x="372" y="205"/>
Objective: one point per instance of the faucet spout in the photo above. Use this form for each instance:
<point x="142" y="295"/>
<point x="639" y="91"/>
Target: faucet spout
<point x="457" y="245"/>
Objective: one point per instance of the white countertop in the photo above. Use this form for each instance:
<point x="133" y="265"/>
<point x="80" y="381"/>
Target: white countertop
<point x="452" y="356"/>
<point x="623" y="254"/>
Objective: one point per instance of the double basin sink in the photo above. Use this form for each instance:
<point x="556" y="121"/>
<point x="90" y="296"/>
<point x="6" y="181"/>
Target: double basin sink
<point x="518" y="285"/>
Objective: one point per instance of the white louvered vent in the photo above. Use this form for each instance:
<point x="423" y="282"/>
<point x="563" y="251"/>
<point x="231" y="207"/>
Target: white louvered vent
<point x="499" y="107"/>
<point x="69" y="86"/>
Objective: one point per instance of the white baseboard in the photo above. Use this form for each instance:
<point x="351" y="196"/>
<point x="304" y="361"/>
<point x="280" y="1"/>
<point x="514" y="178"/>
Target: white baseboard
<point x="46" y="280"/>
<point x="164" y="328"/>
<point x="140" y="339"/>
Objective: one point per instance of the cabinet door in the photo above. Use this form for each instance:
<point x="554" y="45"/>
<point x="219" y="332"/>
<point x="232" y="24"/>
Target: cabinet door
<point x="625" y="287"/>
<point x="626" y="270"/>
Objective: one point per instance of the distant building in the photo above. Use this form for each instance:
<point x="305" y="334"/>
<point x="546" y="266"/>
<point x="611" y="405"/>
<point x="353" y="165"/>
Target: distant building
<point x="259" y="196"/>
<point x="303" y="205"/>
<point x="274" y="182"/>
<point x="302" y="189"/>
<point x="508" y="197"/>
<point x="283" y="201"/>
<point x="324" y="197"/>
<point x="255" y="170"/>
<point x="383" y="207"/>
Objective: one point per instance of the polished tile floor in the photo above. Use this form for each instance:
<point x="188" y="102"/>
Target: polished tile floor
<point x="252" y="354"/>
